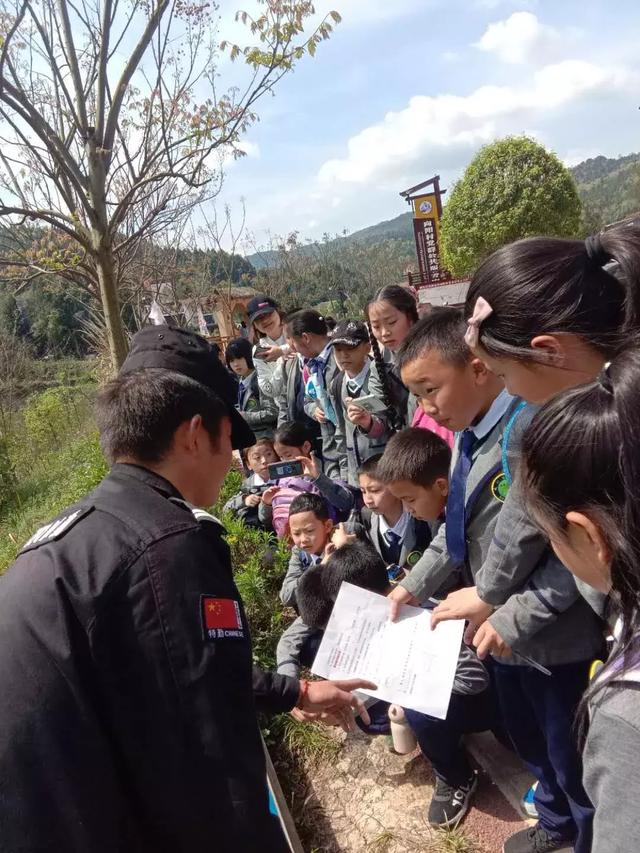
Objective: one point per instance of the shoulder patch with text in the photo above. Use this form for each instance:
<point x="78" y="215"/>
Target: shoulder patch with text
<point x="221" y="618"/>
<point x="55" y="529"/>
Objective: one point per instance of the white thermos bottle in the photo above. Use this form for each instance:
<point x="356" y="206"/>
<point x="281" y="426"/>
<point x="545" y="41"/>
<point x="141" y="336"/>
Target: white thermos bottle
<point x="404" y="740"/>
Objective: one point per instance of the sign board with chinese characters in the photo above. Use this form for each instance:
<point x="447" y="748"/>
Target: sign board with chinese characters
<point x="427" y="209"/>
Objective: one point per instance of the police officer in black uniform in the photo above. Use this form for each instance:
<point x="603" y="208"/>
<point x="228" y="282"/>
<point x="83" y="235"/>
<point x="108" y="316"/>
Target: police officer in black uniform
<point x="127" y="695"/>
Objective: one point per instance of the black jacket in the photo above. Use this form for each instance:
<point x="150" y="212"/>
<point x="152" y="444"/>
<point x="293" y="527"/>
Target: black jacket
<point x="127" y="715"/>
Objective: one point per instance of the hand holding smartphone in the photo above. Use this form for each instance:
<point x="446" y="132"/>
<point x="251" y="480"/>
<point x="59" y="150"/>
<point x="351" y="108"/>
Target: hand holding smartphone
<point x="291" y="468"/>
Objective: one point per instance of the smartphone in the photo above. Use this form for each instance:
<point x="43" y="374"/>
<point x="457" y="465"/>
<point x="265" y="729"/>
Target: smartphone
<point x="260" y="351"/>
<point x="394" y="573"/>
<point x="370" y="403"/>
<point x="285" y="469"/>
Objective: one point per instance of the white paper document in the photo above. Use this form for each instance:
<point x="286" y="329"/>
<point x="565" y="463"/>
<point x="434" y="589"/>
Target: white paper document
<point x="412" y="665"/>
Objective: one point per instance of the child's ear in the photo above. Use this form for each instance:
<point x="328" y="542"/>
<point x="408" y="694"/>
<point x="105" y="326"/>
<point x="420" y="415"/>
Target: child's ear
<point x="552" y="347"/>
<point x="306" y="448"/>
<point x="480" y="370"/>
<point x="442" y="485"/>
<point x="328" y="526"/>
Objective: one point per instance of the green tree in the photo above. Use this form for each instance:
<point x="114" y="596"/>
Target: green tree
<point x="224" y="266"/>
<point x="513" y="188"/>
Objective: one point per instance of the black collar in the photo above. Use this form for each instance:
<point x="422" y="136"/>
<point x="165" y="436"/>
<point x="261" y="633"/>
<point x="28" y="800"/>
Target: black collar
<point x="126" y="470"/>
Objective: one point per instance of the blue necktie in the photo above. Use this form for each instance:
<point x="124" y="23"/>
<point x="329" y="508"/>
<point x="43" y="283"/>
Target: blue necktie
<point x="456" y="522"/>
<point x="240" y="394"/>
<point x="393" y="545"/>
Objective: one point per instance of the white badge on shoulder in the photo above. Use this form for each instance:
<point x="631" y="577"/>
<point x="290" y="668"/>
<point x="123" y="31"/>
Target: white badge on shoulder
<point x="196" y="512"/>
<point x="55" y="529"/>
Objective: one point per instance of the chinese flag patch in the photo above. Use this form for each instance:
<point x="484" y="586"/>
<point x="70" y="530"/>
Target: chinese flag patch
<point x="221" y="617"/>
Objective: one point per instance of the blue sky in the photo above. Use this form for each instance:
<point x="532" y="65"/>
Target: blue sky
<point x="409" y="88"/>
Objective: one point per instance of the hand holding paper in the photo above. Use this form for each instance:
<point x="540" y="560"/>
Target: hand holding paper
<point x="412" y="665"/>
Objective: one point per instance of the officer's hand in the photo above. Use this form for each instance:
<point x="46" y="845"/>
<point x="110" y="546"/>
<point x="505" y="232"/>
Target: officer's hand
<point x="462" y="604"/>
<point x="397" y="597"/>
<point x="252" y="500"/>
<point x="333" y="700"/>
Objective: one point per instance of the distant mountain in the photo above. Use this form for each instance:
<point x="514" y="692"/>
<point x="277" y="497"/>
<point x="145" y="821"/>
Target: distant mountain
<point x="400" y="228"/>
<point x="600" y="167"/>
<point x="609" y="189"/>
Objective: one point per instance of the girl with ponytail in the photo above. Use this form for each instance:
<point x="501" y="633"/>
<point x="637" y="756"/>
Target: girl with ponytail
<point x="581" y="482"/>
<point x="546" y="313"/>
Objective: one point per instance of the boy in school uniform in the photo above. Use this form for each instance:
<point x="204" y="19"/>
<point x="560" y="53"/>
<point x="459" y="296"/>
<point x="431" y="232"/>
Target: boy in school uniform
<point x="351" y="347"/>
<point x="246" y="504"/>
<point x="437" y="365"/>
<point x="398" y="536"/>
<point x="314" y="537"/>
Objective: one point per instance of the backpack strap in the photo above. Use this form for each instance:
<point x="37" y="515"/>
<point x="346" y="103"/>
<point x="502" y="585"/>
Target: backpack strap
<point x="505" y="441"/>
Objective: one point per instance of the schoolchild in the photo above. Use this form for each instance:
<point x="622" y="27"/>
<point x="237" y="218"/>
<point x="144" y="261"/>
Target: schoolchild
<point x="546" y="314"/>
<point x="293" y="443"/>
<point x="266" y="330"/>
<point x="582" y="470"/>
<point x="537" y="708"/>
<point x="309" y="334"/>
<point x="390" y="315"/>
<point x="351" y="347"/>
<point x="313" y="535"/>
<point x="255" y="404"/>
<point x="397" y="535"/>
<point x="470" y="708"/>
<point x="245" y="504"/>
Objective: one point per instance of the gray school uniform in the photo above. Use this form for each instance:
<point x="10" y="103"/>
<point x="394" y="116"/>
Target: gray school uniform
<point x="417" y="536"/>
<point x="358" y="444"/>
<point x="610" y="758"/>
<point x="334" y="460"/>
<point x="404" y="401"/>
<point x="257" y="406"/>
<point x="540" y="613"/>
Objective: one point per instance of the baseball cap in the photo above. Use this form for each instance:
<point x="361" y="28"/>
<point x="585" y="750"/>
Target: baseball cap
<point x="349" y="333"/>
<point x="259" y="306"/>
<point x="173" y="348"/>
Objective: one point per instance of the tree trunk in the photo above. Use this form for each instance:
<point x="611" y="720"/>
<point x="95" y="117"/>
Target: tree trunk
<point x="118" y="345"/>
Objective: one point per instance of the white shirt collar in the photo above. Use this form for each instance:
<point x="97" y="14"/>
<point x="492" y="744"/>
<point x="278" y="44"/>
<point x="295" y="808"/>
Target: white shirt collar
<point x="361" y="378"/>
<point x="496" y="412"/>
<point x="399" y="528"/>
<point x="257" y="480"/>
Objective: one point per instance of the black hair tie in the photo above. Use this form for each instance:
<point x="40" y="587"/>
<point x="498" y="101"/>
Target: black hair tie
<point x="605" y="378"/>
<point x="596" y="251"/>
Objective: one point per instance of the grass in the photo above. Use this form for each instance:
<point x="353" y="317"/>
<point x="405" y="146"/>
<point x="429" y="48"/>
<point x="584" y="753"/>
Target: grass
<point x="452" y="841"/>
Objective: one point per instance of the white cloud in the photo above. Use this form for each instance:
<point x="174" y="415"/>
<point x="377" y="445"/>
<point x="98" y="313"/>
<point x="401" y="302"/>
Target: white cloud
<point x="447" y="128"/>
<point x="520" y="38"/>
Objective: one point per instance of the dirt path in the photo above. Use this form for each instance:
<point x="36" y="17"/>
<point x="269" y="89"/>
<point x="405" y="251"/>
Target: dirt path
<point x="370" y="799"/>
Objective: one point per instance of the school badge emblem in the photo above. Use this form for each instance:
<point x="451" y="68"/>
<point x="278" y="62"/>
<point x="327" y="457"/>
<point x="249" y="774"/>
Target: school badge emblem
<point x="500" y="488"/>
<point x="413" y="558"/>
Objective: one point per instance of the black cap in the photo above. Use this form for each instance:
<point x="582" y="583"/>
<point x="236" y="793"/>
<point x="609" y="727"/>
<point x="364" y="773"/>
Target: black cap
<point x="349" y="333"/>
<point x="172" y="348"/>
<point x="260" y="305"/>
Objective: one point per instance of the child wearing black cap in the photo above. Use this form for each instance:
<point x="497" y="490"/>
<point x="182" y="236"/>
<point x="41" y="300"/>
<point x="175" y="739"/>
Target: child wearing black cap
<point x="364" y="432"/>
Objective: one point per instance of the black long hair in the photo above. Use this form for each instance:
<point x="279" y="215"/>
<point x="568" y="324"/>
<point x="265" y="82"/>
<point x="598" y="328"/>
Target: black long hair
<point x="581" y="454"/>
<point x="402" y="300"/>
<point x="307" y="321"/>
<point x="541" y="285"/>
<point x="239" y="348"/>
